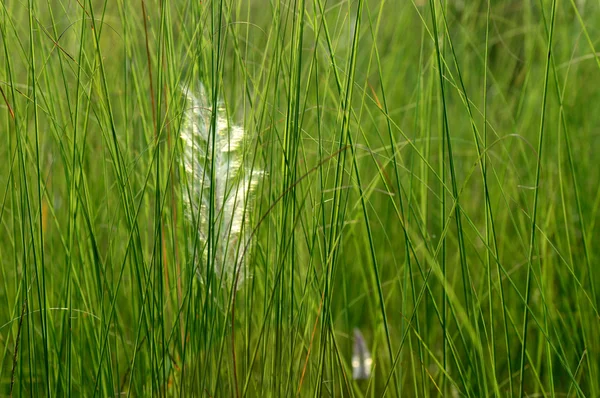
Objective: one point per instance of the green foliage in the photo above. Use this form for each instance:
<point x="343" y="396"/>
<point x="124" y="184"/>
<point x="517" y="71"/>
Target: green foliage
<point x="428" y="177"/>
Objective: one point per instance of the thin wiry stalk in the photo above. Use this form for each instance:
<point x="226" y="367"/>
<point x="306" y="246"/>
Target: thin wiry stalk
<point x="535" y="204"/>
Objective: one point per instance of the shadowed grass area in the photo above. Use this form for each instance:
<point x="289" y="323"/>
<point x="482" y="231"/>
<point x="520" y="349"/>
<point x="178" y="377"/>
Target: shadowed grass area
<point x="426" y="174"/>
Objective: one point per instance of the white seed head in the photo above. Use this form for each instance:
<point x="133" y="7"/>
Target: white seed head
<point x="216" y="161"/>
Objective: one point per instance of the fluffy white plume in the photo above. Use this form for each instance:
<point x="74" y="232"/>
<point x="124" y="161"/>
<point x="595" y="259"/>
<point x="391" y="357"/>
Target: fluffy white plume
<point x="232" y="181"/>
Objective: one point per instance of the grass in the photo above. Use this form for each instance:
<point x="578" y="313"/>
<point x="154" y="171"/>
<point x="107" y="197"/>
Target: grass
<point x="426" y="173"/>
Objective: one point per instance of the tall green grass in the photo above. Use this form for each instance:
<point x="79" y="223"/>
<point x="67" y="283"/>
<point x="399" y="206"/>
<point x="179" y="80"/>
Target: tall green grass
<point x="429" y="177"/>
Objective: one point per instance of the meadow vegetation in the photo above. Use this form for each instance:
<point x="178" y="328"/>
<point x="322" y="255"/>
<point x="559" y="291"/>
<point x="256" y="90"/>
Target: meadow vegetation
<point x="424" y="171"/>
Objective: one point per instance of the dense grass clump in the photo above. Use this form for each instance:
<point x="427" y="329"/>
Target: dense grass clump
<point x="231" y="198"/>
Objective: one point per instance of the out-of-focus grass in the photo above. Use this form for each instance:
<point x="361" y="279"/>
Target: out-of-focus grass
<point x="430" y="178"/>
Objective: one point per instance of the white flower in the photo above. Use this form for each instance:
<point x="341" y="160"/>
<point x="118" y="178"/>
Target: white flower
<point x="233" y="184"/>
